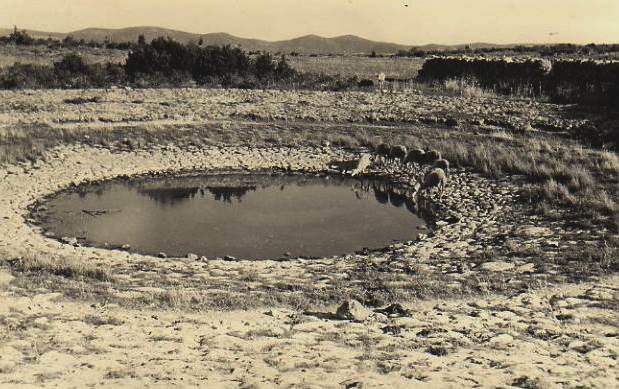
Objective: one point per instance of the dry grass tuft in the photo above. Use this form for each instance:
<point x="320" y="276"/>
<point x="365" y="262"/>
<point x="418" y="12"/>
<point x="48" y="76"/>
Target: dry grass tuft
<point x="463" y="88"/>
<point x="67" y="268"/>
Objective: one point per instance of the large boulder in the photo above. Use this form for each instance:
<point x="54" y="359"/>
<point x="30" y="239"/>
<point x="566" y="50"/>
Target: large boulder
<point x="353" y="310"/>
<point x="5" y="279"/>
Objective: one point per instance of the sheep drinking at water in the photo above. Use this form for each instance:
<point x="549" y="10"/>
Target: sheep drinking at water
<point x="441" y="163"/>
<point x="415" y="156"/>
<point x="436" y="178"/>
<point x="362" y="164"/>
<point x="398" y="153"/>
<point x="432" y="156"/>
<point x="383" y="149"/>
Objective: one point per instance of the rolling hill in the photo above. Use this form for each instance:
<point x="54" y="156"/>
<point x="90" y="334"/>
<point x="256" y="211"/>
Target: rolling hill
<point x="347" y="44"/>
<point x="308" y="44"/>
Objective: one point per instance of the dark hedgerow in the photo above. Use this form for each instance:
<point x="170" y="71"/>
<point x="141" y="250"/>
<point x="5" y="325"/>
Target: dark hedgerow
<point x="163" y="62"/>
<point x="166" y="57"/>
<point x="563" y="81"/>
<point x="70" y="72"/>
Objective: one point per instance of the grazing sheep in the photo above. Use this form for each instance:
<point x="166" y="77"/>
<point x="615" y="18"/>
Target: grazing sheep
<point x="383" y="150"/>
<point x="432" y="156"/>
<point x="415" y="156"/>
<point x="398" y="153"/>
<point x="436" y="178"/>
<point x="362" y="164"/>
<point x="441" y="163"/>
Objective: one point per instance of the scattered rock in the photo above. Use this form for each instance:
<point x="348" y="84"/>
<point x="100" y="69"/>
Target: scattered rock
<point x="353" y="310"/>
<point x="526" y="268"/>
<point x="162" y="255"/>
<point x="533" y="231"/>
<point x="71" y="241"/>
<point x="503" y="340"/>
<point x="5" y="279"/>
<point x="394" y="310"/>
<point x="497" y="266"/>
<point x="438" y="351"/>
<point x="352" y="384"/>
<point x="192" y="257"/>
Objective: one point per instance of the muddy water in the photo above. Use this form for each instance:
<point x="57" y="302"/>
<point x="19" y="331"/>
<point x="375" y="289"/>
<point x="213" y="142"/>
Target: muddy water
<point x="256" y="216"/>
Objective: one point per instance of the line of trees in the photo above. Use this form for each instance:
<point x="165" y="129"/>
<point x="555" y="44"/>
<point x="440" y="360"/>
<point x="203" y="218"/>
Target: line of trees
<point x="163" y="62"/>
<point x="70" y="72"/>
<point x="566" y="81"/>
<point x="22" y="38"/>
<point x="561" y="49"/>
<point x="164" y="57"/>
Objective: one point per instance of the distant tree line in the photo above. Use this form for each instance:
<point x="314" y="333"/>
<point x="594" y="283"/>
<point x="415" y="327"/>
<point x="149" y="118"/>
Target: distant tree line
<point x="162" y="62"/>
<point x="22" y="38"/>
<point x="561" y="49"/>
<point x="565" y="81"/>
<point x="166" y="58"/>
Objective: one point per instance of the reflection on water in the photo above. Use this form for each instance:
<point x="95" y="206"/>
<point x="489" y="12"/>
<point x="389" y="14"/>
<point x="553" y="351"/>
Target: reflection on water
<point x="169" y="195"/>
<point x="245" y="216"/>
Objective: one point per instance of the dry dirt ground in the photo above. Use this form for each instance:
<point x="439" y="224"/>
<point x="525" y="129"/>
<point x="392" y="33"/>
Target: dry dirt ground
<point x="553" y="338"/>
<point x="75" y="316"/>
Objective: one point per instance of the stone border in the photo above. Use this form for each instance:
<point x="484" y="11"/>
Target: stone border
<point x="471" y="206"/>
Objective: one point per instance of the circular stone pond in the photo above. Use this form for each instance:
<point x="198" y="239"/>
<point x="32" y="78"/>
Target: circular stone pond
<point x="257" y="216"/>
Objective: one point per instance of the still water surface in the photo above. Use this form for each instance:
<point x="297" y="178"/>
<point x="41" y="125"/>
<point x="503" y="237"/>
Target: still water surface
<point x="255" y="216"/>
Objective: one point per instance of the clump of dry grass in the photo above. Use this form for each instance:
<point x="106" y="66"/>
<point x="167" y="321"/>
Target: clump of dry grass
<point x="64" y="267"/>
<point x="609" y="163"/>
<point x="601" y="201"/>
<point x="464" y="88"/>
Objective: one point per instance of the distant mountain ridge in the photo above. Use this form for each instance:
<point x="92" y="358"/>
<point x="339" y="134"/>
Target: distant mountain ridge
<point x="308" y="44"/>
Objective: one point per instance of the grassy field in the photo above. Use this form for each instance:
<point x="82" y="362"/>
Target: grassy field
<point x="42" y="55"/>
<point x="347" y="66"/>
<point x="362" y="67"/>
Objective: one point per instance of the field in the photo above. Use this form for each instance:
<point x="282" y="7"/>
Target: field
<point x="347" y="66"/>
<point x="514" y="283"/>
<point x="362" y="67"/>
<point x="42" y="55"/>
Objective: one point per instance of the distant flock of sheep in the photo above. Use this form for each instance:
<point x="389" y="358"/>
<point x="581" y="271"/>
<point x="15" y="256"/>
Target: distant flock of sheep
<point x="435" y="178"/>
<point x="398" y="154"/>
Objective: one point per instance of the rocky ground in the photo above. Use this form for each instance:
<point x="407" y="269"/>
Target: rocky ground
<point x="552" y="338"/>
<point x="122" y="107"/>
<point x="492" y="295"/>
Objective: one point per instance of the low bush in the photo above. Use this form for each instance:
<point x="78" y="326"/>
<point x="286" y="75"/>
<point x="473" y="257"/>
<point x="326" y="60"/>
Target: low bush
<point x="70" y="72"/>
<point x="162" y="63"/>
<point x="166" y="58"/>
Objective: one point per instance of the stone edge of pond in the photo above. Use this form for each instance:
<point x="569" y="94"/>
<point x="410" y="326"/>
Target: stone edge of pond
<point x="478" y="202"/>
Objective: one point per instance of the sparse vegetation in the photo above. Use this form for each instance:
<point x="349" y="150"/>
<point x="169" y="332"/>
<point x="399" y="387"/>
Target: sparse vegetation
<point x="71" y="269"/>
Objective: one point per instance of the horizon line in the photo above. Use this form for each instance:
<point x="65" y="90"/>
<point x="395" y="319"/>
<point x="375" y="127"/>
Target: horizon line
<point x="582" y="43"/>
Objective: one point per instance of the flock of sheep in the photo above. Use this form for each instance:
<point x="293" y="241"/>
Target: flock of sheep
<point x="435" y="178"/>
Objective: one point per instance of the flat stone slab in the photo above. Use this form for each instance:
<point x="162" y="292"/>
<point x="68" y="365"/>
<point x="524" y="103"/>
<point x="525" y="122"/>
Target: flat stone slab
<point x="533" y="231"/>
<point x="497" y="266"/>
<point x="5" y="279"/>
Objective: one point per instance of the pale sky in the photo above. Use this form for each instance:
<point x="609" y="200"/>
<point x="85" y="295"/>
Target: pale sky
<point x="423" y="21"/>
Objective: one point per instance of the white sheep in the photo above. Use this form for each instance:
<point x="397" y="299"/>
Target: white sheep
<point x="362" y="164"/>
<point x="435" y="178"/>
